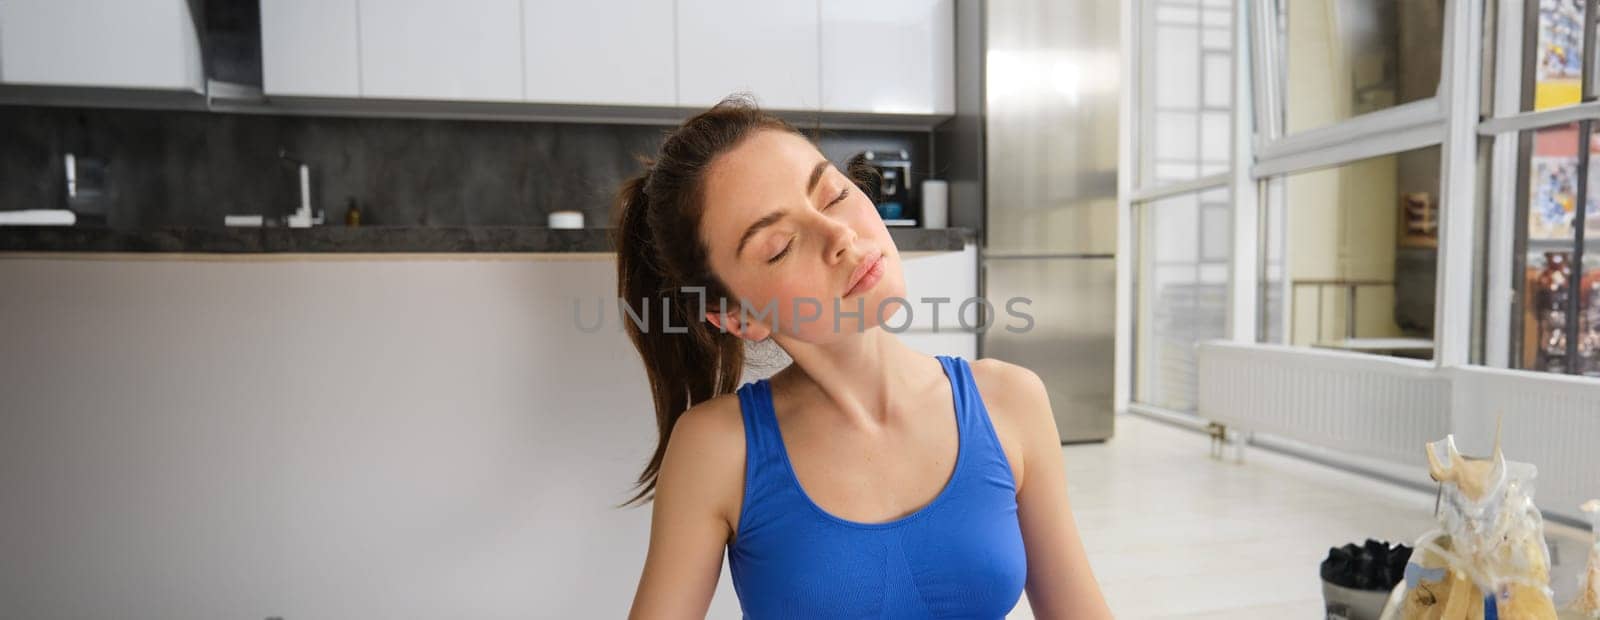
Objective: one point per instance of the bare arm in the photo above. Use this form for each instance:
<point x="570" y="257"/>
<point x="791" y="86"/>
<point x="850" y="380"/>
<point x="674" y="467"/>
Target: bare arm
<point x="1060" y="582"/>
<point x="690" y="518"/>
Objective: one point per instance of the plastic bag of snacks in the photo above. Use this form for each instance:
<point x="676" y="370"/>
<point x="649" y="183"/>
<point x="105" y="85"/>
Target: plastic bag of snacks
<point x="1587" y="604"/>
<point x="1488" y="559"/>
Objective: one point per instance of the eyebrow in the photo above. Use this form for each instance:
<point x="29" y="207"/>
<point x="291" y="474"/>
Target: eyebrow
<point x="816" y="175"/>
<point x="767" y="220"/>
<point x="773" y="217"/>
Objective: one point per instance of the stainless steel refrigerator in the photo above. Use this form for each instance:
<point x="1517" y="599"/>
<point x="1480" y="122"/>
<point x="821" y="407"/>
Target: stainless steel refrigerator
<point x="1050" y="223"/>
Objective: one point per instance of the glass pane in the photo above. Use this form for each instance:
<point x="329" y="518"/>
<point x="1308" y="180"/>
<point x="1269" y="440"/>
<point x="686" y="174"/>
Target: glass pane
<point x="1360" y="250"/>
<point x="1588" y="328"/>
<point x="1269" y="299"/>
<point x="1185" y="245"/>
<point x="1343" y="58"/>
<point x="1188" y="84"/>
<point x="1557" y="56"/>
<point x="1550" y="207"/>
<point x="1589" y="312"/>
<point x="1544" y="322"/>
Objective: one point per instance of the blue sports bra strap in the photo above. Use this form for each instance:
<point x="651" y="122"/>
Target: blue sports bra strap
<point x="962" y="389"/>
<point x="976" y="424"/>
<point x="755" y="404"/>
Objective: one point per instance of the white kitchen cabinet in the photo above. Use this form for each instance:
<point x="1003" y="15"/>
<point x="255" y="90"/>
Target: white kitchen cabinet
<point x="888" y="56"/>
<point x="612" y="52"/>
<point x="949" y="275"/>
<point x="460" y="50"/>
<point x="308" y="48"/>
<point x="138" y="44"/>
<point x="768" y="48"/>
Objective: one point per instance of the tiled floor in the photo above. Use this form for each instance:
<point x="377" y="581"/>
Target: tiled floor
<point x="1172" y="532"/>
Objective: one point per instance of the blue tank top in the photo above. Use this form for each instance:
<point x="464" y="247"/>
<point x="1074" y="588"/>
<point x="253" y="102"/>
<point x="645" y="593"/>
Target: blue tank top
<point x="959" y="556"/>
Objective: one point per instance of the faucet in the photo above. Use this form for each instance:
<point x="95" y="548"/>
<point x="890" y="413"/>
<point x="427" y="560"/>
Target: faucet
<point x="302" y="217"/>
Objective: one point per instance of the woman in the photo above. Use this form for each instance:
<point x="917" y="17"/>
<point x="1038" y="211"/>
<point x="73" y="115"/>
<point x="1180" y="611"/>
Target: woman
<point x="863" y="480"/>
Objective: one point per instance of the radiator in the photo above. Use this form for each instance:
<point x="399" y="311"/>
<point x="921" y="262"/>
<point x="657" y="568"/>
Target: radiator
<point x="1373" y="406"/>
<point x="1388" y="408"/>
<point x="1551" y="421"/>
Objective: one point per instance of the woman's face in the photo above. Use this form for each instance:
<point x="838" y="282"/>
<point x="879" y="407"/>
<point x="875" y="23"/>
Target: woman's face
<point x="786" y="232"/>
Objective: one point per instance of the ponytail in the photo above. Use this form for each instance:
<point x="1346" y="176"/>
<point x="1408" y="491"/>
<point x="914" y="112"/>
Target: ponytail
<point x="660" y="254"/>
<point x="684" y="368"/>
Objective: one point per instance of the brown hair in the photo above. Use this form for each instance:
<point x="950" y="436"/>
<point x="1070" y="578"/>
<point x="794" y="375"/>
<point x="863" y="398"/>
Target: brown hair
<point x="660" y="253"/>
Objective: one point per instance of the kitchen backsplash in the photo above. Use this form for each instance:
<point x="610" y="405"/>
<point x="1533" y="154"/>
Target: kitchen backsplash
<point x="171" y="168"/>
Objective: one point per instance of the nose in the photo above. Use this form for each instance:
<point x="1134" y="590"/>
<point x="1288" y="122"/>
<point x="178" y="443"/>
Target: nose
<point x="841" y="237"/>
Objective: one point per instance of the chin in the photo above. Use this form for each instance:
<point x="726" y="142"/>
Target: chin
<point x="892" y="286"/>
<point x="893" y="283"/>
<point x="897" y="290"/>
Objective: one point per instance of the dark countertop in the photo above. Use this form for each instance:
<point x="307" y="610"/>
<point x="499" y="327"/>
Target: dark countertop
<point x="369" y="239"/>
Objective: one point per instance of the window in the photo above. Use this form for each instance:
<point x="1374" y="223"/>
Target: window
<point x="1339" y="59"/>
<point x="1542" y="287"/>
<point x="1350" y="128"/>
<point x="1188" y="77"/>
<point x="1399" y="142"/>
<point x="1182" y="205"/>
<point x="1183" y="275"/>
<point x="1395" y="142"/>
<point x="1353" y="251"/>
<point x="1557" y="316"/>
<point x="1556" y="58"/>
<point x="1270" y="283"/>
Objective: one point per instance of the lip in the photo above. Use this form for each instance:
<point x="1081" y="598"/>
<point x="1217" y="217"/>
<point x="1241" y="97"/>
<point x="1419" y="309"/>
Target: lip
<point x="866" y="274"/>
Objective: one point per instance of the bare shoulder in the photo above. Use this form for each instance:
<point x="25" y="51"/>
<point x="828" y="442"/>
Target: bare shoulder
<point x="1012" y="391"/>
<point x="716" y="425"/>
<point x="704" y="462"/>
<point x="1019" y="408"/>
<point x="1003" y="372"/>
<point x="708" y="438"/>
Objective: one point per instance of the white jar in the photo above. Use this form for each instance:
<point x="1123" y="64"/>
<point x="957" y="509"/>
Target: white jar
<point x="568" y="220"/>
<point x="935" y="204"/>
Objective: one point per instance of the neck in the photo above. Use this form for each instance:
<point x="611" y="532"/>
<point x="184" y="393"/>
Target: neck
<point x="861" y="377"/>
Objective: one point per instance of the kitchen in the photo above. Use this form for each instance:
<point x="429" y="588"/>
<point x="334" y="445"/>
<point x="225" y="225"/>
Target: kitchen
<point x="293" y="290"/>
<point x="286" y="357"/>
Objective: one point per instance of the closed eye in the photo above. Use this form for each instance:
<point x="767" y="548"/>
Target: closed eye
<point x="836" y="200"/>
<point x="842" y="193"/>
<point x="786" y="247"/>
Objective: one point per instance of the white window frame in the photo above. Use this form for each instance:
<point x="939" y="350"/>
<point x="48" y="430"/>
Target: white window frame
<point x="1448" y="120"/>
<point x="1504" y="127"/>
<point x="1133" y="191"/>
<point x="1475" y="293"/>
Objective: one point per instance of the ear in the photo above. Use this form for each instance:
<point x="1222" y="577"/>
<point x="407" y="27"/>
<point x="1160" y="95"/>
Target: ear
<point x="736" y="325"/>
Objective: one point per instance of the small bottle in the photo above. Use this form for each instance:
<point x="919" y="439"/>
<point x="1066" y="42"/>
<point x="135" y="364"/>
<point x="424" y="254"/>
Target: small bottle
<point x="352" y="214"/>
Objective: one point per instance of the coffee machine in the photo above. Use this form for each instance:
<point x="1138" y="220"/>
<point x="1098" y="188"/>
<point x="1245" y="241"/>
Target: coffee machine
<point x="885" y="176"/>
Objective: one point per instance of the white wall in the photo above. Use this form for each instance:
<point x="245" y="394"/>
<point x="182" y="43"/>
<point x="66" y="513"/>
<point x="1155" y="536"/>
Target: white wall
<point x="326" y="439"/>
